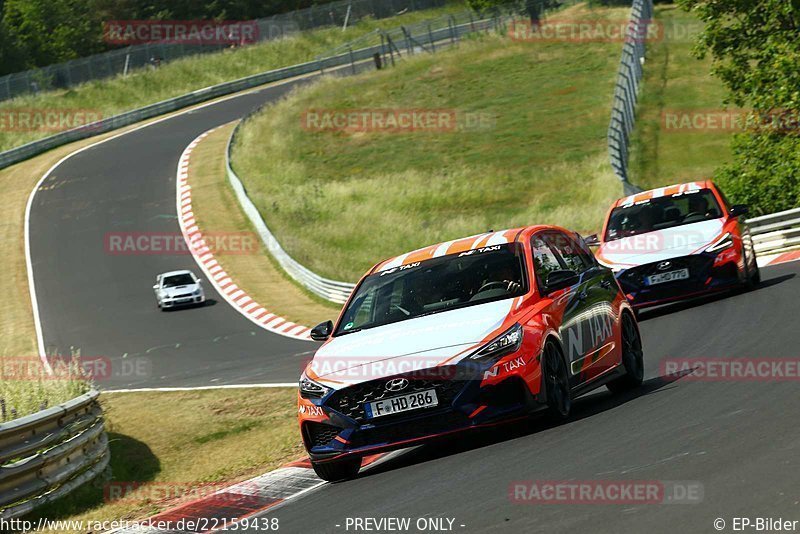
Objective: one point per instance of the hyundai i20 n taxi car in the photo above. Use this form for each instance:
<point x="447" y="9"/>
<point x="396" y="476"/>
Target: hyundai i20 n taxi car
<point x="677" y="242"/>
<point x="463" y="335"/>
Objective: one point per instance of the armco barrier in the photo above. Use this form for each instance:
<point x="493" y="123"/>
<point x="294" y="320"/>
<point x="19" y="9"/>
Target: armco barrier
<point x="331" y="290"/>
<point x="776" y="232"/>
<point x="48" y="454"/>
<point x="626" y="90"/>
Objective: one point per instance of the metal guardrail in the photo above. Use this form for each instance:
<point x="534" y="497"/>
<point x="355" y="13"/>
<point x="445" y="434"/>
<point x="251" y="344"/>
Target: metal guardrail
<point x="334" y="290"/>
<point x="626" y="90"/>
<point x="776" y="232"/>
<point x="115" y="62"/>
<point x="326" y="288"/>
<point x="48" y="454"/>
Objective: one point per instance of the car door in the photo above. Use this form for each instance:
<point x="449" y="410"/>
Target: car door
<point x="567" y="307"/>
<point x="589" y="333"/>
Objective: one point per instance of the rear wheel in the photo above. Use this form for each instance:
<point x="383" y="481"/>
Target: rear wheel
<point x="336" y="470"/>
<point x="632" y="357"/>
<point x="559" y="400"/>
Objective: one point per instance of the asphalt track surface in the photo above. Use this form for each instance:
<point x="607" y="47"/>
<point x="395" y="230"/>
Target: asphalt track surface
<point x="102" y="304"/>
<point x="739" y="440"/>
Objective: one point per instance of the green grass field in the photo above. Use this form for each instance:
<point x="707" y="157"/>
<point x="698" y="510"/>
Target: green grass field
<point x="339" y="201"/>
<point x="675" y="81"/>
<point x="115" y="95"/>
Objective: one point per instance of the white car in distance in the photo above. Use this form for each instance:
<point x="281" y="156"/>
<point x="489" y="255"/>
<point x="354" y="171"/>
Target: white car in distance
<point x="178" y="288"/>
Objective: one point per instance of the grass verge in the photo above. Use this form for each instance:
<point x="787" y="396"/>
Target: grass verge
<point x="111" y="96"/>
<point x="179" y="441"/>
<point x="677" y="85"/>
<point x="340" y="201"/>
<point x="216" y="210"/>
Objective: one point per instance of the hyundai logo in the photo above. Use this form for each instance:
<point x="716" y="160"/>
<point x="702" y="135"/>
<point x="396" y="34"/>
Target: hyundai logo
<point x="396" y="384"/>
<point x="664" y="265"/>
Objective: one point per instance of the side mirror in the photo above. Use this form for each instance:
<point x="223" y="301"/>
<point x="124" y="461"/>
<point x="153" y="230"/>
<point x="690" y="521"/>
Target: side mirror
<point x="199" y="280"/>
<point x="322" y="331"/>
<point x="560" y="279"/>
<point x="155" y="286"/>
<point x="592" y="240"/>
<point x="737" y="210"/>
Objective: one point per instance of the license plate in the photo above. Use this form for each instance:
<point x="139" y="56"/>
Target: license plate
<point x="681" y="274"/>
<point x="402" y="403"/>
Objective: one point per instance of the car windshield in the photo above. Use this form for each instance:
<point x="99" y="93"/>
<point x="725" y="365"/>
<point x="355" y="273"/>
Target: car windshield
<point x="440" y="284"/>
<point x="178" y="280"/>
<point x="662" y="212"/>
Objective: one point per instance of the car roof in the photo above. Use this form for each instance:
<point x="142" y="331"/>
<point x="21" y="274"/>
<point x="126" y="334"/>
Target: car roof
<point x="664" y="191"/>
<point x="173" y="273"/>
<point x="459" y="245"/>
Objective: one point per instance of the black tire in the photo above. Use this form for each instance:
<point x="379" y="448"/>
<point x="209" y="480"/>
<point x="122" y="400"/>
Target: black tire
<point x="336" y="470"/>
<point x="556" y="378"/>
<point x="632" y="357"/>
<point x="755" y="277"/>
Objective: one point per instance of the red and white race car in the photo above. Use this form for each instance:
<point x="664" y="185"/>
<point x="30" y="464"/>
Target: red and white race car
<point x="462" y="335"/>
<point x="676" y="242"/>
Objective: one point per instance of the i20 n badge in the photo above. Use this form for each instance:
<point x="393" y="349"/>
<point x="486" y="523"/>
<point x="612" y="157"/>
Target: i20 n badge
<point x="463" y="335"/>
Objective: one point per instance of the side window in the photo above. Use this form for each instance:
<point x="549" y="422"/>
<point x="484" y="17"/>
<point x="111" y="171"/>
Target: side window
<point x="544" y="259"/>
<point x="574" y="256"/>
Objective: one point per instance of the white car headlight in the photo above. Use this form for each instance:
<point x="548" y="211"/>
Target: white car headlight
<point x="726" y="241"/>
<point x="311" y="388"/>
<point x="506" y="343"/>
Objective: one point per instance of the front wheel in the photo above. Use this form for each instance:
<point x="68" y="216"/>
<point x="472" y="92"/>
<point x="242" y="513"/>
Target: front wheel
<point x="632" y="358"/>
<point x="336" y="470"/>
<point x="753" y="278"/>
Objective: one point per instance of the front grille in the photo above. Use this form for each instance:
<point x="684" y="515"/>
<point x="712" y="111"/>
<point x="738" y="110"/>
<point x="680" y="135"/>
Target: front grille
<point x="700" y="268"/>
<point x="319" y="434"/>
<point x="350" y="401"/>
<point x="697" y="264"/>
<point x="418" y="428"/>
<point x="182" y="296"/>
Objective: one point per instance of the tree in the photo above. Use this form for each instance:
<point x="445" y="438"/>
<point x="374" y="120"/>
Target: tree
<point x="755" y="51"/>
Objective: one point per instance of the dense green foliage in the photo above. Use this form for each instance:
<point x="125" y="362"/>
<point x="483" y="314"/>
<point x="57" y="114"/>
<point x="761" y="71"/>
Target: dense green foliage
<point x="755" y="48"/>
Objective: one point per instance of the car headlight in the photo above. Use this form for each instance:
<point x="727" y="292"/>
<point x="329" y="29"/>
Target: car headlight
<point x="506" y="343"/>
<point x="310" y="388"/>
<point x="726" y="241"/>
<point x="197" y="292"/>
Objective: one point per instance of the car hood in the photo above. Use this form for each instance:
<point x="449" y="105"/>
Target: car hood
<point x="660" y="245"/>
<point x="179" y="290"/>
<point x="409" y="345"/>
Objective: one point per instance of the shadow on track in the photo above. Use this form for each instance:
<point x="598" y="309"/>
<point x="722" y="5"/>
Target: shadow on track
<point x="582" y="407"/>
<point x="695" y="302"/>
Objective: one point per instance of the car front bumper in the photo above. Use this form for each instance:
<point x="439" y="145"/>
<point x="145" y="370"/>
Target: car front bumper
<point x="337" y="425"/>
<point x="708" y="273"/>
